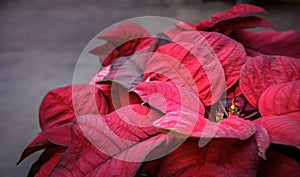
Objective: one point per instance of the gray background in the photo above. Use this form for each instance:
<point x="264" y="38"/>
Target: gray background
<point x="40" y="43"/>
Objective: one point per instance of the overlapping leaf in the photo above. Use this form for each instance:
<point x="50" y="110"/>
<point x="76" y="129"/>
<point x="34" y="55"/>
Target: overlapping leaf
<point x="63" y="105"/>
<point x="167" y="97"/>
<point x="46" y="162"/>
<point x="263" y="71"/>
<point x="238" y="23"/>
<point x="215" y="159"/>
<point x="122" y="40"/>
<point x="280" y="99"/>
<point x="197" y="126"/>
<point x="194" y="68"/>
<point x="269" y="42"/>
<point x="96" y="142"/>
<point x="229" y="16"/>
<point x="128" y="71"/>
<point x="38" y="143"/>
<point x="282" y="129"/>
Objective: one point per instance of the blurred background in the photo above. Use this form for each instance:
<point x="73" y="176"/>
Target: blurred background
<point x="41" y="41"/>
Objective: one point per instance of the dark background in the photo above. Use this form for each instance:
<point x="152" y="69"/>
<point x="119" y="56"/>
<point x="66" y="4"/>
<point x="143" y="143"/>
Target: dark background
<point x="41" y="40"/>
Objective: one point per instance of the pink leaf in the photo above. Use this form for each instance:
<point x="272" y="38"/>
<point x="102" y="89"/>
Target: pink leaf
<point x="278" y="165"/>
<point x="167" y="97"/>
<point x="197" y="126"/>
<point x="236" y="11"/>
<point x="100" y="75"/>
<point x="269" y="42"/>
<point x="100" y="151"/>
<point x="263" y="71"/>
<point x="177" y="62"/>
<point x="283" y="129"/>
<point x="215" y="159"/>
<point x="280" y="99"/>
<point x="263" y="141"/>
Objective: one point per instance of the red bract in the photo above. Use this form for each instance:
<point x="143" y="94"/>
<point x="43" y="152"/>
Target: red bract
<point x="198" y="103"/>
<point x="269" y="42"/>
<point x="189" y="125"/>
<point x="123" y="40"/>
<point x="280" y="99"/>
<point x="283" y="129"/>
<point x="278" y="165"/>
<point x="263" y="71"/>
<point x="195" y="69"/>
<point x="95" y="142"/>
<point x="234" y="19"/>
<point x="216" y="159"/>
<point x="167" y="97"/>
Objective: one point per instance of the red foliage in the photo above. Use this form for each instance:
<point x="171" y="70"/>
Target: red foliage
<point x="154" y="93"/>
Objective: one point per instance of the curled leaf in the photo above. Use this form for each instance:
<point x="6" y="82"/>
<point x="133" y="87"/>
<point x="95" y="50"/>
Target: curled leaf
<point x="47" y="161"/>
<point x="38" y="143"/>
<point x="263" y="141"/>
<point x="283" y="129"/>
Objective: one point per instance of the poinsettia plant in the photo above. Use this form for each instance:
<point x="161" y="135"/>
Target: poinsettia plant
<point x="206" y="99"/>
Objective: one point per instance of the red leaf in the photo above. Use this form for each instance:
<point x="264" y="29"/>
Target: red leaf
<point x="167" y="97"/>
<point x="59" y="135"/>
<point x="283" y="129"/>
<point x="47" y="161"/>
<point x="122" y="40"/>
<point x="117" y="95"/>
<point x="278" y="165"/>
<point x="236" y="11"/>
<point x="97" y="150"/>
<point x="280" y="99"/>
<point x="215" y="159"/>
<point x="270" y="42"/>
<point x="180" y="27"/>
<point x="263" y="71"/>
<point x="230" y="53"/>
<point x="189" y="124"/>
<point x="239" y="23"/>
<point x="40" y="142"/>
<point x="176" y="62"/>
<point x="124" y="32"/>
<point x="100" y="75"/>
<point x="61" y="106"/>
